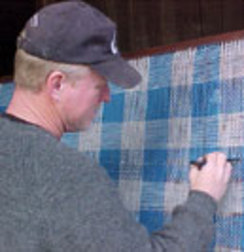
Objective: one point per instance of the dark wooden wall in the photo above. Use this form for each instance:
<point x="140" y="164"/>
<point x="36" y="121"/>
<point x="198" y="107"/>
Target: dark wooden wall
<point x="141" y="23"/>
<point x="149" y="23"/>
<point x="13" y="14"/>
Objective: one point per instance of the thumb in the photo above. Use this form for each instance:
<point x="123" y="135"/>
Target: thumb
<point x="193" y="173"/>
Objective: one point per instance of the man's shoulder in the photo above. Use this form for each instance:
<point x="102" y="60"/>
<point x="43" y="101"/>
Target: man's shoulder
<point x="56" y="163"/>
<point x="40" y="144"/>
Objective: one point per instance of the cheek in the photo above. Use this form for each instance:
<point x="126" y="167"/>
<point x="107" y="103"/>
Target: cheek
<point x="88" y="104"/>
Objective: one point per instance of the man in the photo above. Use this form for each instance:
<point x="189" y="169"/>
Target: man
<point x="53" y="198"/>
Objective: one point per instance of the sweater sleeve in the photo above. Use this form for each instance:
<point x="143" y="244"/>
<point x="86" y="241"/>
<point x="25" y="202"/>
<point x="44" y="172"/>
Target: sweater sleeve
<point x="191" y="228"/>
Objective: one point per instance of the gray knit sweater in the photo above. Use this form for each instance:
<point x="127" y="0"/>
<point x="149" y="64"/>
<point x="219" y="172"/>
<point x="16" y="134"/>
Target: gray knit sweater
<point x="54" y="199"/>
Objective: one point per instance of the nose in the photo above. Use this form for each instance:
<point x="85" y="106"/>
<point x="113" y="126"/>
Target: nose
<point x="106" y="94"/>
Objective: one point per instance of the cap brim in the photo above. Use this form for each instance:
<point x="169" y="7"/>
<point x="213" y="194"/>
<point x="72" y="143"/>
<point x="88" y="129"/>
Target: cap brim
<point x="119" y="72"/>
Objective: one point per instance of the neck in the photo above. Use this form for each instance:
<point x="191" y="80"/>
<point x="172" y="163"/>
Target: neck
<point x="36" y="108"/>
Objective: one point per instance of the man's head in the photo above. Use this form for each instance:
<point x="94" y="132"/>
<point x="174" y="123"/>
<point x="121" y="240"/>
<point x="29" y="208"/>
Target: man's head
<point x="69" y="50"/>
<point x="73" y="92"/>
<point x="75" y="33"/>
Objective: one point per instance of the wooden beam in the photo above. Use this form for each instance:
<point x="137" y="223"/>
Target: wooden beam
<point x="216" y="39"/>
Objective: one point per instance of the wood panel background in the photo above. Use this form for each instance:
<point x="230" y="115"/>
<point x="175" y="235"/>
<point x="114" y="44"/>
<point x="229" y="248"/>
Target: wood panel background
<point x="145" y="24"/>
<point x="141" y="23"/>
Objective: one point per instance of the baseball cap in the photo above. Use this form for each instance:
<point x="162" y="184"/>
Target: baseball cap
<point x="74" y="32"/>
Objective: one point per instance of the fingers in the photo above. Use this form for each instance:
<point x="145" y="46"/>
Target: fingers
<point x="216" y="158"/>
<point x="193" y="172"/>
<point x="199" y="163"/>
<point x="228" y="170"/>
<point x="218" y="161"/>
<point x="213" y="176"/>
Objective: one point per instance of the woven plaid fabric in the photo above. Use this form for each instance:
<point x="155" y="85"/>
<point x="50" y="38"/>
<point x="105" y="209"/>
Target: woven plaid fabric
<point x="189" y="103"/>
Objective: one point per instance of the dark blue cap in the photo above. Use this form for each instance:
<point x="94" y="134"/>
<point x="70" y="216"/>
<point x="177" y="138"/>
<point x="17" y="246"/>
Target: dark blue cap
<point x="74" y="32"/>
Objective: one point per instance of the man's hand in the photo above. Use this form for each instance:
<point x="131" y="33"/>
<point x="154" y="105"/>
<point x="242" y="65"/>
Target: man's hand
<point x="213" y="177"/>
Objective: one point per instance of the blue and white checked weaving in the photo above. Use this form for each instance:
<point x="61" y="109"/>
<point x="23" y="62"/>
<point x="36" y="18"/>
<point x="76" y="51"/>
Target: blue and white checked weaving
<point x="189" y="103"/>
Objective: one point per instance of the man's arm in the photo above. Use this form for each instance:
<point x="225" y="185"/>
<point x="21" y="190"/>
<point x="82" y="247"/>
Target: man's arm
<point x="91" y="216"/>
<point x="192" y="227"/>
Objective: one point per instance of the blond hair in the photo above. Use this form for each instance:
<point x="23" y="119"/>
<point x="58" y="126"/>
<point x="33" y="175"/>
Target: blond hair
<point x="31" y="72"/>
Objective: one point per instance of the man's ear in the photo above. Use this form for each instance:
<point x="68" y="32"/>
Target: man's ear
<point x="54" y="84"/>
